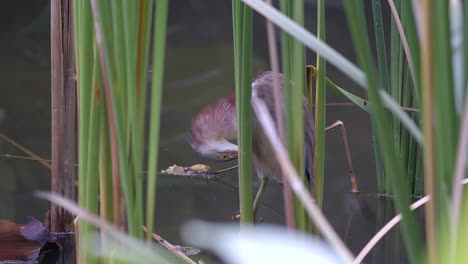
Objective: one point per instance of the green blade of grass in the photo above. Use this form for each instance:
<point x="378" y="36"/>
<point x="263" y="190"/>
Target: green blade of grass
<point x="159" y="44"/>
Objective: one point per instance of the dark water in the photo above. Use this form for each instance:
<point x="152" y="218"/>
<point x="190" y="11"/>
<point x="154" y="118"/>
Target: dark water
<point x="199" y="69"/>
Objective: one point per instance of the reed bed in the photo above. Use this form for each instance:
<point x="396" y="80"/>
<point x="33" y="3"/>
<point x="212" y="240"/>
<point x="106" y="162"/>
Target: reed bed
<point x="112" y="44"/>
<point x="417" y="153"/>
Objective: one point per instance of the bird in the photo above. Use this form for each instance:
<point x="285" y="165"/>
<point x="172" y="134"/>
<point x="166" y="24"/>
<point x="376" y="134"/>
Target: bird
<point x="213" y="132"/>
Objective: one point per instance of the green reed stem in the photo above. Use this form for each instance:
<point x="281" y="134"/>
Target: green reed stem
<point x="159" y="47"/>
<point x="92" y="157"/>
<point x="84" y="60"/>
<point x="444" y="99"/>
<point x="242" y="23"/>
<point x="446" y="121"/>
<point x="320" y="110"/>
<point x="84" y="52"/>
<point x="409" y="25"/>
<point x="297" y="92"/>
<point x="396" y="73"/>
<point x="428" y="129"/>
<point x="382" y="185"/>
<point x="105" y="170"/>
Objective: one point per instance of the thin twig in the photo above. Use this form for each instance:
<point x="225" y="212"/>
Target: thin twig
<point x="295" y="181"/>
<point x="25" y="150"/>
<point x="384" y="230"/>
<point x="354" y="185"/>
<point x="163" y="242"/>
<point x="199" y="174"/>
<point x="404" y="42"/>
<point x="11" y="156"/>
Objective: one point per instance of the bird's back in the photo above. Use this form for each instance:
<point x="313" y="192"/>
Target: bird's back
<point x="264" y="160"/>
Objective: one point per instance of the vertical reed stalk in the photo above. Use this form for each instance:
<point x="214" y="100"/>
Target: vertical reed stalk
<point x="94" y="125"/>
<point x="395" y="88"/>
<point x="428" y="123"/>
<point x="286" y="58"/>
<point x="84" y="67"/>
<point x="105" y="171"/>
<point x="293" y="69"/>
<point x="446" y="117"/>
<point x="382" y="186"/>
<point x="242" y="23"/>
<point x="63" y="93"/>
<point x="159" y="47"/>
<point x="275" y="67"/>
<point x="320" y="110"/>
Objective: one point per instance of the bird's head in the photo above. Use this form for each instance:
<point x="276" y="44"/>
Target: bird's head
<point x="219" y="150"/>
<point x="213" y="128"/>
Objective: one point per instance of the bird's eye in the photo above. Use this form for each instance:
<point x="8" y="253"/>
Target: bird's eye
<point x="224" y="157"/>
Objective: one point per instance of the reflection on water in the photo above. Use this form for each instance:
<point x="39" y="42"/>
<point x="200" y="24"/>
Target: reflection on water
<point x="199" y="69"/>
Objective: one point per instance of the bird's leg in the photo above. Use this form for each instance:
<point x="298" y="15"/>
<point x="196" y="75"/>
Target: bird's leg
<point x="258" y="199"/>
<point x="354" y="186"/>
<point x="259" y="196"/>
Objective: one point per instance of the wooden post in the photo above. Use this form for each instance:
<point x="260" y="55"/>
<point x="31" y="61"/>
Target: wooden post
<point x="63" y="98"/>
